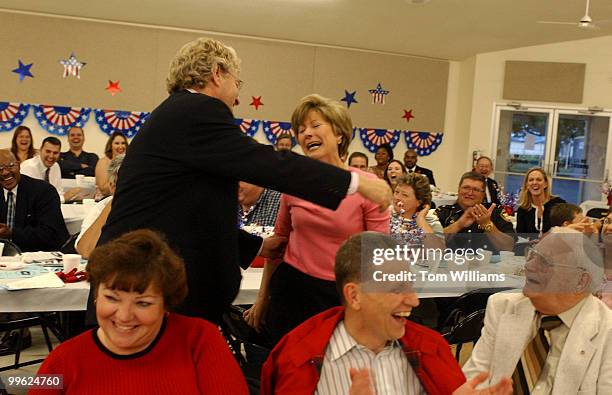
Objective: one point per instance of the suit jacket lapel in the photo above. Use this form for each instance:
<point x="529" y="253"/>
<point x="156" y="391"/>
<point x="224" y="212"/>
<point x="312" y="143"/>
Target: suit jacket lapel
<point x="21" y="203"/>
<point x="513" y="334"/>
<point x="2" y="207"/>
<point x="577" y="351"/>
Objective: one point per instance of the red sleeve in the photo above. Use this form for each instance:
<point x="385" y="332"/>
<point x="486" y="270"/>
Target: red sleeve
<point x="218" y="371"/>
<point x="50" y="366"/>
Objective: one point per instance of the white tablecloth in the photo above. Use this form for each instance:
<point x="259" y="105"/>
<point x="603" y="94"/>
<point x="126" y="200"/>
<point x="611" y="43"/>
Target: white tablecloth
<point x="442" y="199"/>
<point x="73" y="297"/>
<point x="74" y="214"/>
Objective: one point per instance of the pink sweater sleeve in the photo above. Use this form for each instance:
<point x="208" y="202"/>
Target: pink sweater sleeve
<point x="283" y="218"/>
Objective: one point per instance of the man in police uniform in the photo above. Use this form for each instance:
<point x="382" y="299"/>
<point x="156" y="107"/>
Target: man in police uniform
<point x="471" y="224"/>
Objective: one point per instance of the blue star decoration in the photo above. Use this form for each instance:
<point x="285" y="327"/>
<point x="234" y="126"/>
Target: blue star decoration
<point x="349" y="98"/>
<point x="23" y="70"/>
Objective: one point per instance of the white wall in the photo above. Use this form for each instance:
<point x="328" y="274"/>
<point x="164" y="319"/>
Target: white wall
<point x="489" y="80"/>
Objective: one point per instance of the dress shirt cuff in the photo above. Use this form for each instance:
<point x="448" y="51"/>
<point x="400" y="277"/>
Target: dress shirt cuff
<point x="354" y="185"/>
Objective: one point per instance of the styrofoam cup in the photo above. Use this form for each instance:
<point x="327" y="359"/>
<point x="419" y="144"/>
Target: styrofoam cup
<point x="71" y="261"/>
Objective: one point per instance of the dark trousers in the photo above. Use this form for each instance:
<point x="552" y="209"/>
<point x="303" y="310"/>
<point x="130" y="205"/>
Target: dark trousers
<point x="295" y="297"/>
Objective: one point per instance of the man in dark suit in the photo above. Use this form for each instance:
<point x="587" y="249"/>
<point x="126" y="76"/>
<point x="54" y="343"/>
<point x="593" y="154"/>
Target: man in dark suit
<point x="484" y="166"/>
<point x="180" y="177"/>
<point x="31" y="217"/>
<point x="410" y="161"/>
<point x="30" y="211"/>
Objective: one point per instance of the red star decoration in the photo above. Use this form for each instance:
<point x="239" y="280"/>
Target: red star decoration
<point x="113" y="87"/>
<point x="256" y="102"/>
<point x="408" y="115"/>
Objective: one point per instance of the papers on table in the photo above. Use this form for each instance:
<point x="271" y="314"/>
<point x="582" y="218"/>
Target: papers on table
<point x="47" y="280"/>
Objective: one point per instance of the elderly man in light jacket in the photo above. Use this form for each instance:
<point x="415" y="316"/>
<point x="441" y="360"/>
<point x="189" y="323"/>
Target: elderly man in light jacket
<point x="562" y="270"/>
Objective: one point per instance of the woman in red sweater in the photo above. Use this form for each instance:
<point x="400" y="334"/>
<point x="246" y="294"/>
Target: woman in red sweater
<point x="140" y="347"/>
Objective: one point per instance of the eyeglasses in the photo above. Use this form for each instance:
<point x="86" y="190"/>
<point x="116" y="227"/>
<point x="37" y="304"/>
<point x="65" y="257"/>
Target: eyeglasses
<point x="239" y="82"/>
<point x="466" y="188"/>
<point x="536" y="258"/>
<point x="9" y="166"/>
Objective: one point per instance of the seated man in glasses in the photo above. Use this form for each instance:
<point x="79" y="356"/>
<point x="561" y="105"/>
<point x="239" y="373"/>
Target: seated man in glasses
<point x="368" y="346"/>
<point x="470" y="223"/>
<point x="555" y="337"/>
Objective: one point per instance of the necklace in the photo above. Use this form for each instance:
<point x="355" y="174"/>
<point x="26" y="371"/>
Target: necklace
<point x="405" y="230"/>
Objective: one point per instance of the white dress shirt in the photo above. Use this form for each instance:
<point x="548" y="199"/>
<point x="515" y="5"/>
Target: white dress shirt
<point x="389" y="369"/>
<point x="35" y="168"/>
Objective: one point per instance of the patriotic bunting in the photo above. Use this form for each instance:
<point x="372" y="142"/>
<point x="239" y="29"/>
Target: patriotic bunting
<point x="12" y="114"/>
<point x="59" y="119"/>
<point x="374" y="138"/>
<point x="248" y="126"/>
<point x="126" y="122"/>
<point x="424" y="143"/>
<point x="273" y="129"/>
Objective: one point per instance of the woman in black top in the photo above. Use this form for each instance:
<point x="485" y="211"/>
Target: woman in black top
<point x="535" y="200"/>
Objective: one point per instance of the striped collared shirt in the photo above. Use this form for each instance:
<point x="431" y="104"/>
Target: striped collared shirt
<point x="390" y="371"/>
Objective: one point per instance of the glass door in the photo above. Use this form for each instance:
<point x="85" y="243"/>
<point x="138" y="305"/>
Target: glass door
<point x="579" y="154"/>
<point x="522" y="141"/>
<point x="570" y="145"/>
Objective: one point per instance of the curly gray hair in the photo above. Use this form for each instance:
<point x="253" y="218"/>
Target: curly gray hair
<point x="194" y="63"/>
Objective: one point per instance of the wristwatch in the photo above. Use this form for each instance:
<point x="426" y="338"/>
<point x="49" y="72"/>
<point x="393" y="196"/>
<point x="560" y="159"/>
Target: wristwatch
<point x="487" y="227"/>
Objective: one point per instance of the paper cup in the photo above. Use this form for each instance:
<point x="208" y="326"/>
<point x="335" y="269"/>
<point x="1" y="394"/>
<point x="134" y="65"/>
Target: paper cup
<point x="1" y="248"/>
<point x="71" y="261"/>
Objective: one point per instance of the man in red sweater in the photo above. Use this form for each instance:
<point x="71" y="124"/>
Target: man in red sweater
<point x="367" y="346"/>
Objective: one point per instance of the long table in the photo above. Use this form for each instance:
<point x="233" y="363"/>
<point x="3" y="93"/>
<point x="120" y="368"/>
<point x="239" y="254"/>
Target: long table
<point x="73" y="297"/>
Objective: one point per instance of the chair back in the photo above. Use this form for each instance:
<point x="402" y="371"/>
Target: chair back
<point x="465" y="305"/>
<point x="597" y="213"/>
<point x="10" y="248"/>
<point x="467" y="330"/>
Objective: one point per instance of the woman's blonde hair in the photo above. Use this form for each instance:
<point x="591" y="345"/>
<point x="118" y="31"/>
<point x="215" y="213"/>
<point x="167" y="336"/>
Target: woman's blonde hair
<point x="332" y="111"/>
<point x="525" y="200"/>
<point x="195" y="62"/>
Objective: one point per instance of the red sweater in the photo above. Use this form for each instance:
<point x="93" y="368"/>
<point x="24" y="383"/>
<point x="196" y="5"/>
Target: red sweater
<point x="190" y="357"/>
<point x="294" y="364"/>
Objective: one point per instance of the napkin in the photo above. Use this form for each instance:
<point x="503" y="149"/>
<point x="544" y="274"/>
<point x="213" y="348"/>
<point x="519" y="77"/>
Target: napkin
<point x="47" y="280"/>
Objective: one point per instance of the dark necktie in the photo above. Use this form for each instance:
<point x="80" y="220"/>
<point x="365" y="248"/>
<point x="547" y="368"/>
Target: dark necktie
<point x="47" y="174"/>
<point x="532" y="361"/>
<point x="410" y="171"/>
<point x="10" y="209"/>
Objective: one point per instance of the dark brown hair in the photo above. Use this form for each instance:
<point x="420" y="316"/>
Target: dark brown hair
<point x="108" y="149"/>
<point x="31" y="151"/>
<point x="562" y="212"/>
<point x="136" y="260"/>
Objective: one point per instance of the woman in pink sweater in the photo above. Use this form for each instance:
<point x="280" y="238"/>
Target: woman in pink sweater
<point x="303" y="284"/>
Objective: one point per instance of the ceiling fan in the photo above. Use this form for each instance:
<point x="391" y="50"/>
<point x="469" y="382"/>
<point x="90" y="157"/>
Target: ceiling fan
<point x="586" y="22"/>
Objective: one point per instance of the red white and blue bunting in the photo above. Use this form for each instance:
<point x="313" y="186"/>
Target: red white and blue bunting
<point x="126" y="122"/>
<point x="424" y="143"/>
<point x="59" y="119"/>
<point x="273" y="129"/>
<point x="12" y="115"/>
<point x="374" y="138"/>
<point x="248" y="126"/>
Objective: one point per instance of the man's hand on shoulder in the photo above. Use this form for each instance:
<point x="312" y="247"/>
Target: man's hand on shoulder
<point x="375" y="190"/>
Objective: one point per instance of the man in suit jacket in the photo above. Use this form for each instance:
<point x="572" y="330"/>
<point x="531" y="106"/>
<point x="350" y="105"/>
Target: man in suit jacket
<point x="484" y="166"/>
<point x="180" y="177"/>
<point x="410" y="160"/>
<point x="38" y="223"/>
<point x="561" y="272"/>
